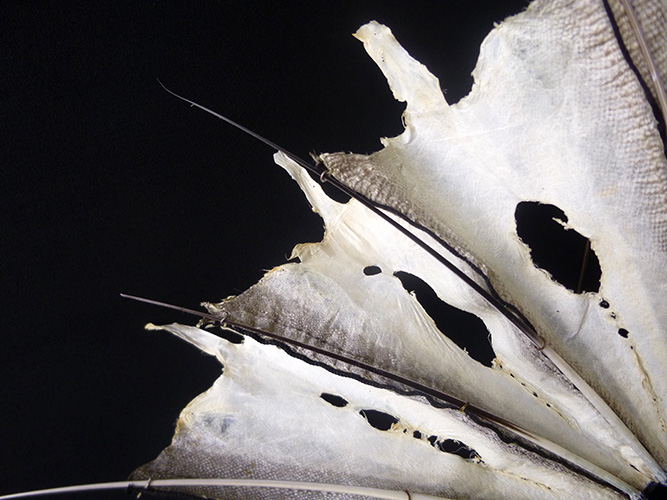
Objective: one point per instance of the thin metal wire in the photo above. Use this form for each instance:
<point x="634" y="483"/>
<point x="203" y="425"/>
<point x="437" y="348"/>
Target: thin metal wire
<point x="584" y="265"/>
<point x="244" y="483"/>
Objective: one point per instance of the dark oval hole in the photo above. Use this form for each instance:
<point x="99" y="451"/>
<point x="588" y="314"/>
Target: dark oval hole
<point x="233" y="337"/>
<point x="623" y="332"/>
<point x="379" y="419"/>
<point x="334" y="400"/>
<point x="655" y="491"/>
<point x="465" y="329"/>
<point x="454" y="447"/>
<point x="458" y="448"/>
<point x="330" y="190"/>
<point x="372" y="270"/>
<point x="563" y="253"/>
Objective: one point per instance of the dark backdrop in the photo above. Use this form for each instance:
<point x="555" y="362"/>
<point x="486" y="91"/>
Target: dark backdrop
<point x="109" y="184"/>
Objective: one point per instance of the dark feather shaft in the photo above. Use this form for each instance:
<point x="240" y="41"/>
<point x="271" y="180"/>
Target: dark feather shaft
<point x="230" y="323"/>
<point x="321" y="172"/>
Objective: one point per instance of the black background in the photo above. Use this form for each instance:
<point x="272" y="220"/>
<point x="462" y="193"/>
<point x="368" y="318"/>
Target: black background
<point x="110" y="185"/>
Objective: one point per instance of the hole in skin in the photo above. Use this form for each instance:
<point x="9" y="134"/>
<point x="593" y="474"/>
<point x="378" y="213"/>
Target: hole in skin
<point x="334" y="400"/>
<point x="454" y="447"/>
<point x="654" y="491"/>
<point x="458" y="448"/>
<point x="332" y="192"/>
<point x="465" y="329"/>
<point x="604" y="304"/>
<point x="372" y="270"/>
<point x="623" y="333"/>
<point x="233" y="337"/>
<point x="555" y="249"/>
<point x="379" y="419"/>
